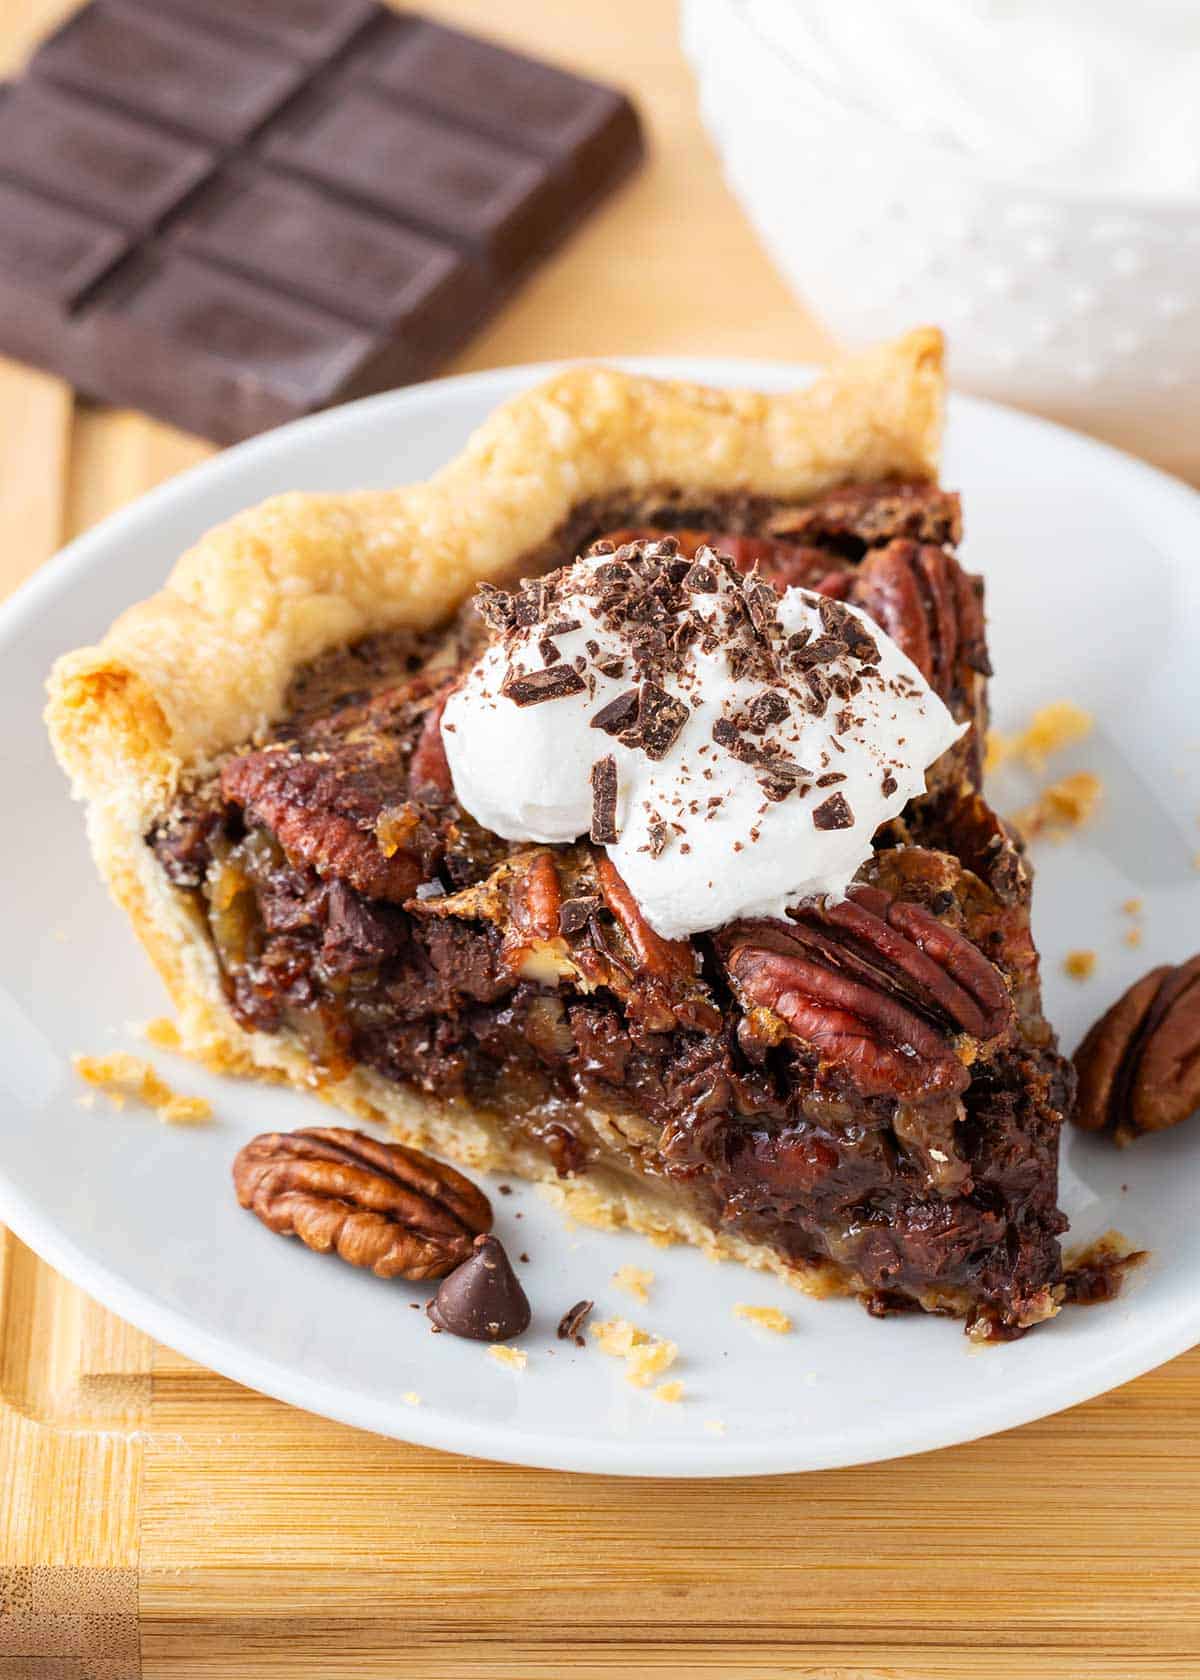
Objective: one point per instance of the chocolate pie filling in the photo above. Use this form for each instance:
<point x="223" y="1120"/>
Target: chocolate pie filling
<point x="891" y="1116"/>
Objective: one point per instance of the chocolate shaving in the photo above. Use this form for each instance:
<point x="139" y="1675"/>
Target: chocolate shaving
<point x="618" y="714"/>
<point x="574" y="914"/>
<point x="533" y="687"/>
<point x="823" y="651"/>
<point x="701" y="580"/>
<point x="572" y="1322"/>
<point x="495" y="607"/>
<point x="660" y="719"/>
<point x="530" y="604"/>
<point x="604" y="802"/>
<point x="890" y="784"/>
<point x="768" y="709"/>
<point x="834" y="813"/>
<point x="659" y="836"/>
<point x="830" y="779"/>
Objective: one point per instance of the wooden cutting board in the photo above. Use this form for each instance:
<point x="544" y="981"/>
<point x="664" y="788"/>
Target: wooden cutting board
<point x="158" y="1520"/>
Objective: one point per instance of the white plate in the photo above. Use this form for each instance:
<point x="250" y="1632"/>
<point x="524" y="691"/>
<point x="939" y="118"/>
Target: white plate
<point x="1094" y="592"/>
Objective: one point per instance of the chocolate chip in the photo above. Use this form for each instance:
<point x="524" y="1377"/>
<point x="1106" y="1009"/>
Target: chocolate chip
<point x="533" y="687"/>
<point x="618" y="714"/>
<point x="834" y="813"/>
<point x="572" y="1322"/>
<point x="604" y="802"/>
<point x="482" y="1300"/>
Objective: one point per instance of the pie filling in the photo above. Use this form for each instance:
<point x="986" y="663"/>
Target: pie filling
<point x="868" y="1088"/>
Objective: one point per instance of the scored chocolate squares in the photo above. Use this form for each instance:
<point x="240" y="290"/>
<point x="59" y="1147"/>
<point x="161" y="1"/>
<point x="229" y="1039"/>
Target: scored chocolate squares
<point x="233" y="215"/>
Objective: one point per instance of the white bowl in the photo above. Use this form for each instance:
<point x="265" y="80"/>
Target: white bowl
<point x="1080" y="305"/>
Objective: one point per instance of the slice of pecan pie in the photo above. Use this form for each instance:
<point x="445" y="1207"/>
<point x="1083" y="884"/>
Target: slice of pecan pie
<point x="859" y="1092"/>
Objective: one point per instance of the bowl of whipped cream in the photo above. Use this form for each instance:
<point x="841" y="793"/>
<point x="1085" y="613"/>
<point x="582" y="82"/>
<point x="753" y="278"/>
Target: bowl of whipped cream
<point x="1026" y="173"/>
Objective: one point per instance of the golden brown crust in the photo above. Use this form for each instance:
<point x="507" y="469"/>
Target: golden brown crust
<point x="206" y="662"/>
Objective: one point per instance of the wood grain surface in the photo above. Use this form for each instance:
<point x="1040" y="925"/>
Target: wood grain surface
<point x="157" y="1520"/>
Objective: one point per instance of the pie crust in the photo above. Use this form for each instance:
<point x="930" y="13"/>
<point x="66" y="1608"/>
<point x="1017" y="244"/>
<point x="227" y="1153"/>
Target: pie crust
<point x="205" y="664"/>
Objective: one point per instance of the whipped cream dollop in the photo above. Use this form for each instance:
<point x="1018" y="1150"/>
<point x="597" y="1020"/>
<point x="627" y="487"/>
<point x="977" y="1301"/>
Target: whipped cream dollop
<point x="733" y="749"/>
<point x="1097" y="94"/>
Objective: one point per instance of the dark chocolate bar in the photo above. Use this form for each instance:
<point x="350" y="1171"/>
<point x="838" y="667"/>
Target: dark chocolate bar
<point x="231" y="215"/>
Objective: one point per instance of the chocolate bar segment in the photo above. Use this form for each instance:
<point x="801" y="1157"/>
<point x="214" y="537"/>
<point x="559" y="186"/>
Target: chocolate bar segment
<point x="237" y="356"/>
<point x="494" y="201"/>
<point x="93" y="158"/>
<point x="576" y="126"/>
<point x="332" y="254"/>
<point x="168" y="70"/>
<point x="50" y="256"/>
<point x="231" y="214"/>
<point x="313" y="29"/>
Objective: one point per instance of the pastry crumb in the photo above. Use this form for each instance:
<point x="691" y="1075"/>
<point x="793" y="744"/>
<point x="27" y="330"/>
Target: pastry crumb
<point x="636" y="1280"/>
<point x="714" y="1426"/>
<point x="162" y="1033"/>
<point x="645" y="1356"/>
<point x="768" y="1318"/>
<point x="649" y="1360"/>
<point x="512" y="1357"/>
<point x="1052" y="727"/>
<point x="1133" y="906"/>
<point x="616" y="1336"/>
<point x="1133" y="936"/>
<point x="1080" y="965"/>
<point x="412" y="1398"/>
<point x="671" y="1392"/>
<point x="1064" y="805"/>
<point x="121" y="1076"/>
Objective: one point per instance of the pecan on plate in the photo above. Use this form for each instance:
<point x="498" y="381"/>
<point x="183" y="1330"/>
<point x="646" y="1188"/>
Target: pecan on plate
<point x="1139" y="1066"/>
<point x="379" y="1205"/>
<point x="880" y="989"/>
<point x="931" y="607"/>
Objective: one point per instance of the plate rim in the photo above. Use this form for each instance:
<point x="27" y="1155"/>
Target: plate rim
<point x="1171" y="1333"/>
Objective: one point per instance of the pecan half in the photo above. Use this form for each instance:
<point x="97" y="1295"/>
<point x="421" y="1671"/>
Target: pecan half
<point x="533" y="946"/>
<point x="878" y="987"/>
<point x="380" y="1205"/>
<point x="1139" y="1066"/>
<point x="666" y="986"/>
<point x="931" y="607"/>
<point x="346" y="795"/>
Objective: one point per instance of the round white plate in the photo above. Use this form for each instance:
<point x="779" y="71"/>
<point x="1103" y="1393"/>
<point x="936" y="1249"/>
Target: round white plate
<point x="1094" y="593"/>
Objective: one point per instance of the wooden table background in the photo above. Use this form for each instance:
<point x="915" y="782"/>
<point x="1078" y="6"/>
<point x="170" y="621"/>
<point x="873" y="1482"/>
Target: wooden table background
<point x="156" y="1519"/>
